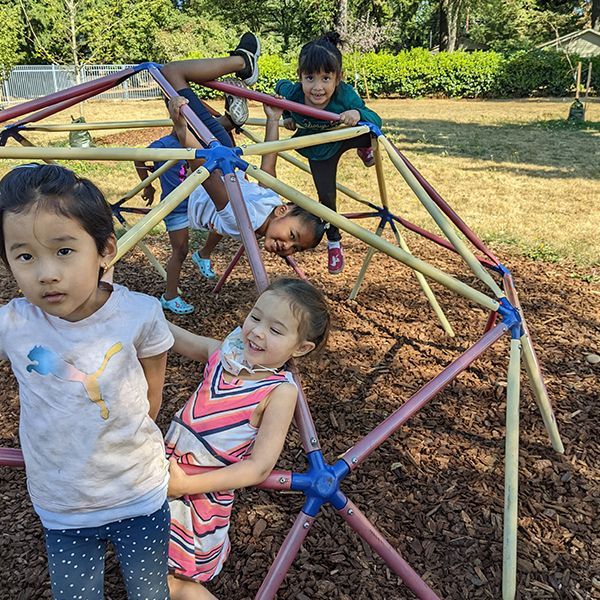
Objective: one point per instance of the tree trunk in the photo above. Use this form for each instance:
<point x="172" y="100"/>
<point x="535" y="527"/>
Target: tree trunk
<point x="449" y="24"/>
<point x="596" y="15"/>
<point x="71" y="6"/>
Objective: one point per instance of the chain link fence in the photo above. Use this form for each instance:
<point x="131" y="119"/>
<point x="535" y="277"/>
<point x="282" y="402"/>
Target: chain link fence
<point x="26" y="82"/>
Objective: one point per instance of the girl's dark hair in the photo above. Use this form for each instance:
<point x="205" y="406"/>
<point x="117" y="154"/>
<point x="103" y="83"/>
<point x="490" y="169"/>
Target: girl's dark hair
<point x="57" y="189"/>
<point x="309" y="306"/>
<point x="321" y="55"/>
<point x="313" y="222"/>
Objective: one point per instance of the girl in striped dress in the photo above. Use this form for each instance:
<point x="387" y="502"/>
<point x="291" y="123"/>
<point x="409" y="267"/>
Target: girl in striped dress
<point x="237" y="419"/>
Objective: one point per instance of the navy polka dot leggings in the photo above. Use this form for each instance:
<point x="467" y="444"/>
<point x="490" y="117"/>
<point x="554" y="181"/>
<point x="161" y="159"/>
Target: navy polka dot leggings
<point x="76" y="558"/>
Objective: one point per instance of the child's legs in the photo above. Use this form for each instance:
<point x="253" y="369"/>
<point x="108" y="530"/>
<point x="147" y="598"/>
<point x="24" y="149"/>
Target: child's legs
<point x="141" y="545"/>
<point x="202" y="113"/>
<point x="179" y="239"/>
<point x="212" y="239"/>
<point x="184" y="589"/>
<point x="76" y="562"/>
<point x="180" y="73"/>
<point x="324" y="174"/>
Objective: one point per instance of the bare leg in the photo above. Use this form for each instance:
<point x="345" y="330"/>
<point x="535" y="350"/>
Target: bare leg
<point x="210" y="244"/>
<point x="181" y="72"/>
<point x="183" y="589"/>
<point x="179" y="250"/>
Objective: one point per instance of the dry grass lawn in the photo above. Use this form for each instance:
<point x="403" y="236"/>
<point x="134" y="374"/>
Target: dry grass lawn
<point x="513" y="170"/>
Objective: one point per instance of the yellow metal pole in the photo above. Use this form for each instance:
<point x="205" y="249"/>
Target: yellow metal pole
<point x="304" y="141"/>
<point x="441" y="220"/>
<point x="96" y="126"/>
<point x="370" y="238"/>
<point x="431" y="298"/>
<point x="159" y="212"/>
<point x="142" y="184"/>
<point x="363" y="269"/>
<point x="534" y="372"/>
<point x="511" y="474"/>
<point x="304" y="167"/>
<point x="128" y="154"/>
<point x="122" y="229"/>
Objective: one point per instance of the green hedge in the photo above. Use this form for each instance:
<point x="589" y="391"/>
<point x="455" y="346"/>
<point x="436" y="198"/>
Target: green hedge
<point x="415" y="73"/>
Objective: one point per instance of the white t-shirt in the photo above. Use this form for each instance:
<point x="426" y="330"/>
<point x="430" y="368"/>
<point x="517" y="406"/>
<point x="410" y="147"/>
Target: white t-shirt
<point x="76" y="459"/>
<point x="260" y="203"/>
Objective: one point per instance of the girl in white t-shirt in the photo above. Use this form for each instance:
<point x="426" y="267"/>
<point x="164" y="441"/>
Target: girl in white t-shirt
<point x="90" y="363"/>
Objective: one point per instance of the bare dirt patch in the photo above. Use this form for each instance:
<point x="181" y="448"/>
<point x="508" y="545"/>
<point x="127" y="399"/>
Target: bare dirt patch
<point x="435" y="488"/>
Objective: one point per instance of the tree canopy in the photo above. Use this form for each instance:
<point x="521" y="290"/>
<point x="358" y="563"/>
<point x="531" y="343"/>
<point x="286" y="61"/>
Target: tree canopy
<point x="84" y="31"/>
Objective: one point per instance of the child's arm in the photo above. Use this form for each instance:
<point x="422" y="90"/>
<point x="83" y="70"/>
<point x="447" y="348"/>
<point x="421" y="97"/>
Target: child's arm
<point x="144" y="170"/>
<point x="268" y="445"/>
<point x="356" y="108"/>
<point x="154" y="370"/>
<point x="196" y="347"/>
<point x="268" y="162"/>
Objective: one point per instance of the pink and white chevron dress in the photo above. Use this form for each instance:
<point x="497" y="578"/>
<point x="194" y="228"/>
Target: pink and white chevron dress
<point x="211" y="430"/>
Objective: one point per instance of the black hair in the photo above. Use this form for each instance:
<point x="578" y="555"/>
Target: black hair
<point x="315" y="223"/>
<point x="310" y="308"/>
<point x="321" y="55"/>
<point x="57" y="189"/>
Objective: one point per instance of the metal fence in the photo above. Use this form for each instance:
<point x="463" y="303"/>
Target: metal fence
<point x="25" y="82"/>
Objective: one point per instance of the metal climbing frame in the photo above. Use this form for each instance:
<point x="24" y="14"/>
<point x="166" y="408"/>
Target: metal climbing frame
<point x="321" y="482"/>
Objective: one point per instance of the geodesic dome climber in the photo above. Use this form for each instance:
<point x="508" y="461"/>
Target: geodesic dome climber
<point x="321" y="483"/>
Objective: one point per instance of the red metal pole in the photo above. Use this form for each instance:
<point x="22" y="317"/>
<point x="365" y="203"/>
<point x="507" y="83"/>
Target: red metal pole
<point x="229" y="269"/>
<point x="76" y="90"/>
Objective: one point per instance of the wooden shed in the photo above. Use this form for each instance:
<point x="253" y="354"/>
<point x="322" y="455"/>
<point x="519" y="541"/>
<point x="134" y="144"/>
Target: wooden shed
<point x="584" y="43"/>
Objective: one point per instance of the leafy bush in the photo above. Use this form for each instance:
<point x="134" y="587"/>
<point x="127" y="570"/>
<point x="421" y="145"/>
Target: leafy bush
<point x="418" y="72"/>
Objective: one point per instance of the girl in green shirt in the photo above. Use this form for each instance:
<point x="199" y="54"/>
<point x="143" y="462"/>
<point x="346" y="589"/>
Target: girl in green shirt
<point x="321" y="86"/>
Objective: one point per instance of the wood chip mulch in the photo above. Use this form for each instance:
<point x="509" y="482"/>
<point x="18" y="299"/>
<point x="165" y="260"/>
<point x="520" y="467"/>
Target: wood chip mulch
<point x="435" y="488"/>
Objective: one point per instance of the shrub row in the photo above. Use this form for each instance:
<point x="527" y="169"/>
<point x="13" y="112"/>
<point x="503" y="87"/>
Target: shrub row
<point x="417" y="72"/>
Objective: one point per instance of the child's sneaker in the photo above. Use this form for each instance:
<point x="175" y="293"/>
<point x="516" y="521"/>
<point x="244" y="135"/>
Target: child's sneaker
<point x="335" y="260"/>
<point x="236" y="108"/>
<point x="176" y="305"/>
<point x="203" y="265"/>
<point x="249" y="49"/>
<point x="366" y="155"/>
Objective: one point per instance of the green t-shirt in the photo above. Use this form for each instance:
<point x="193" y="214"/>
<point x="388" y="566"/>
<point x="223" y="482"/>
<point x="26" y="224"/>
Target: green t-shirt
<point x="344" y="98"/>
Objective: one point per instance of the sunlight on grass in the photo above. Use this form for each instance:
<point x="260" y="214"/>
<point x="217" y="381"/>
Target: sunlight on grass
<point x="515" y="171"/>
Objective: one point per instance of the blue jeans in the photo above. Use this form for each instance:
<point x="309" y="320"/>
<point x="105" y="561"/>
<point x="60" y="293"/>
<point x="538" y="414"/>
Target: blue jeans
<point x="76" y="557"/>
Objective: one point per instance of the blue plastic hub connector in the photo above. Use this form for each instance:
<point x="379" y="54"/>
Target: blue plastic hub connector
<point x="373" y="128"/>
<point x="321" y="483"/>
<point x="146" y="65"/>
<point x="221" y="157"/>
<point x="511" y="318"/>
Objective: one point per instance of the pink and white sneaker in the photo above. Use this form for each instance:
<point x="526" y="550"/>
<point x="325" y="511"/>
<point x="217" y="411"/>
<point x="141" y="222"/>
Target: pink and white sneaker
<point x="335" y="260"/>
<point x="366" y="155"/>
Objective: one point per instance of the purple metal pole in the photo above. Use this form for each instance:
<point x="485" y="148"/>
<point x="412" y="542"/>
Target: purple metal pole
<point x="462" y="226"/>
<point x="290" y="261"/>
<point x="392" y="558"/>
<point x="11" y="457"/>
<point x="493" y="316"/>
<point x="296" y="107"/>
<point x="236" y="199"/>
<point x="197" y="125"/>
<point x="76" y="90"/>
<point x="285" y="557"/>
<point x="355" y="455"/>
<point x="229" y="269"/>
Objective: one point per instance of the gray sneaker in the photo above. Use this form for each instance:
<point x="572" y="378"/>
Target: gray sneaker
<point x="249" y="49"/>
<point x="236" y="107"/>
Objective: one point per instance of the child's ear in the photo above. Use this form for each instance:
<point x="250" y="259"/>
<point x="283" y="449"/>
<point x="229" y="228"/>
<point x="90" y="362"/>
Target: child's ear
<point x="304" y="348"/>
<point x="110" y="249"/>
<point x="282" y="210"/>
